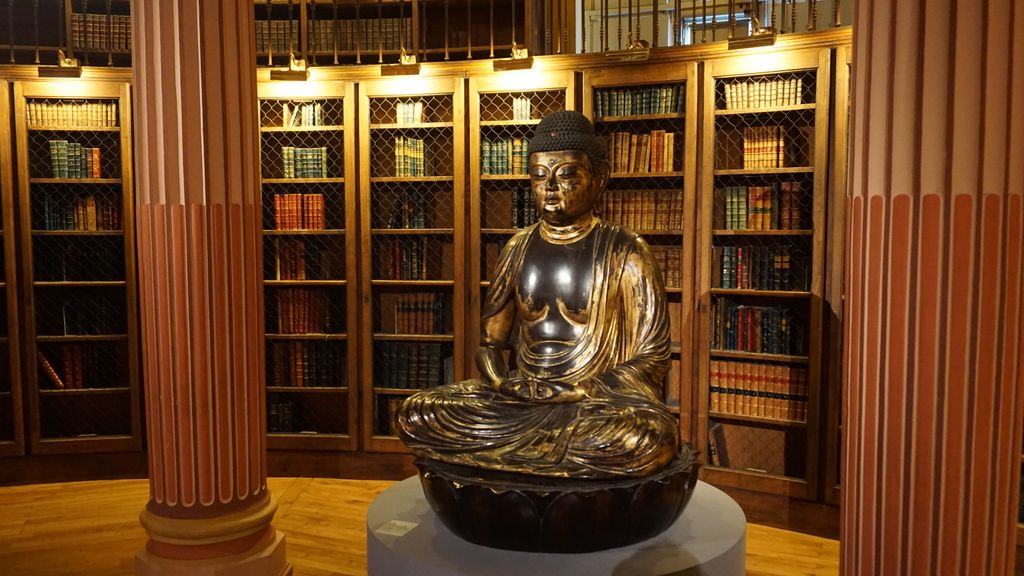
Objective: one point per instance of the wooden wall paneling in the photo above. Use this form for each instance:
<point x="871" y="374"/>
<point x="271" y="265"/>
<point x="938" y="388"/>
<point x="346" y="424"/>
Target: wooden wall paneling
<point x="12" y="437"/>
<point x="834" y="282"/>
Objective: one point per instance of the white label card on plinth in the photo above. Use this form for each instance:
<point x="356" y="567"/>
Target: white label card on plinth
<point x="396" y="528"/>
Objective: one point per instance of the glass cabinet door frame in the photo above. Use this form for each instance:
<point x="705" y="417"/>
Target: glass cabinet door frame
<point x="290" y="91"/>
<point x="96" y="89"/>
<point x="763" y="62"/>
<point x="452" y="88"/>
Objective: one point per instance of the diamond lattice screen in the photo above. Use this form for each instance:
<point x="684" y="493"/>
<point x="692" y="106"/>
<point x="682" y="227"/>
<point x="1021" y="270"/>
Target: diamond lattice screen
<point x="507" y="121"/>
<point x="78" y="267"/>
<point x="761" y="270"/>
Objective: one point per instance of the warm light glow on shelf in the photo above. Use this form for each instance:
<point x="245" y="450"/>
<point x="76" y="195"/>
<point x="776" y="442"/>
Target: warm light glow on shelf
<point x="512" y="79"/>
<point x="410" y="84"/>
<point x="283" y="89"/>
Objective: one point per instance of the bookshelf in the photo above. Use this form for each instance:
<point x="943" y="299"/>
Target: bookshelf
<point x="412" y="182"/>
<point x="97" y="32"/>
<point x="100" y="31"/>
<point x="475" y="29"/>
<point x="278" y="28"/>
<point x="332" y="33"/>
<point x="12" y="437"/>
<point x="81" y="336"/>
<point x="308" y="196"/>
<point x="504" y="110"/>
<point x="648" y="116"/>
<point x="763" y="200"/>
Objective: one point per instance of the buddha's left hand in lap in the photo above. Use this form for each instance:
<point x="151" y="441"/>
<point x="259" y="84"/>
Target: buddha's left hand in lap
<point x="536" y="390"/>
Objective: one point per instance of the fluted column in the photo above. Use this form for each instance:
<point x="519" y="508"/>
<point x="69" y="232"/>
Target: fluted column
<point x="933" y="343"/>
<point x="200" y="262"/>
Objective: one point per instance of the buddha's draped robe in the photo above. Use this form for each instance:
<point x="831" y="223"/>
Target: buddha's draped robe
<point x="622" y="429"/>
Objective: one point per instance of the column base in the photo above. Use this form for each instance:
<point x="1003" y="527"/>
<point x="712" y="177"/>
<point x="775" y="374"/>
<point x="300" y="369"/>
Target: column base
<point x="265" y="560"/>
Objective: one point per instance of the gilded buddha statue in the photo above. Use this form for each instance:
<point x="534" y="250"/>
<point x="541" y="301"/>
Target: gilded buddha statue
<point x="578" y="306"/>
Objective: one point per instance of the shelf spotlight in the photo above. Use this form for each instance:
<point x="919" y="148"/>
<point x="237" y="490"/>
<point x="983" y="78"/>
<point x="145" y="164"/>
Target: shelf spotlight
<point x="758" y="38"/>
<point x="520" y="60"/>
<point x="407" y="64"/>
<point x="65" y="68"/>
<point x="636" y="50"/>
<point x="296" y="70"/>
<point x="761" y="37"/>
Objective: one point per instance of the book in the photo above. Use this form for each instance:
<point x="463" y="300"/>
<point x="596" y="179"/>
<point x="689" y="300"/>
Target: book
<point x="761" y="92"/>
<point x="672" y="383"/>
<point x="718" y="451"/>
<point x="48" y="370"/>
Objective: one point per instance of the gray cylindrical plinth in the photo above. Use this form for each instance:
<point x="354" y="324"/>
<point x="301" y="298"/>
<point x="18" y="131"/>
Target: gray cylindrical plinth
<point x="404" y="537"/>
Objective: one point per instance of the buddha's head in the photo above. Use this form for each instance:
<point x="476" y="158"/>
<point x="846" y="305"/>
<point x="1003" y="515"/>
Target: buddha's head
<point x="568" y="168"/>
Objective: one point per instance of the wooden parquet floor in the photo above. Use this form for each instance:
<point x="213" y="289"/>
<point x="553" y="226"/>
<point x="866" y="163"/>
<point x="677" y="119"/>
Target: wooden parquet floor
<point x="92" y="529"/>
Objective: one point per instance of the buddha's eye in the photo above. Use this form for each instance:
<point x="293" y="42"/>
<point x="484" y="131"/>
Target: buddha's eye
<point x="539" y="173"/>
<point x="567" y="172"/>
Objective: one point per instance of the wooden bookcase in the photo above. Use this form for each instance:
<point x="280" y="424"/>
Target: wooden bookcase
<point x="763" y="203"/>
<point x="76" y="214"/>
<point x="279" y="30"/>
<point x="97" y="32"/>
<point x="12" y="435"/>
<point x="100" y="32"/>
<point x="412" y="182"/>
<point x="504" y="110"/>
<point x="332" y="33"/>
<point x="307" y="161"/>
<point x="648" y="116"/>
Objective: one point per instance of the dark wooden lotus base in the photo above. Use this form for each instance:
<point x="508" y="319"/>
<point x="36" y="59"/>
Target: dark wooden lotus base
<point x="537" y="514"/>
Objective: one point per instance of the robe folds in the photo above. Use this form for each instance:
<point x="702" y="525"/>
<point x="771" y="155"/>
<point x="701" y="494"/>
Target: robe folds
<point x="621" y="428"/>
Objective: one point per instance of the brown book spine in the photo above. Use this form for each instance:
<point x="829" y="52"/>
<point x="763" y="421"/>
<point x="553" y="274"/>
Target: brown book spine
<point x="716" y="391"/>
<point x="49" y="371"/>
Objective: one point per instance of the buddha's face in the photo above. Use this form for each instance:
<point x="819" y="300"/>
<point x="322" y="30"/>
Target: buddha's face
<point x="565" y="185"/>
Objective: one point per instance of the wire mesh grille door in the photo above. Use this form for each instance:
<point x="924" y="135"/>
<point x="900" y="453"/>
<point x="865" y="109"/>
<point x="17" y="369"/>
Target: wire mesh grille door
<point x="507" y="121"/>
<point x="644" y="128"/>
<point x="302" y="153"/>
<point x="79" y="277"/>
<point x="413" y="222"/>
<point x="761" y="273"/>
